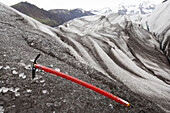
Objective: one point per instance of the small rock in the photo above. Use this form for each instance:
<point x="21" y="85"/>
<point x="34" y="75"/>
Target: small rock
<point x="32" y="60"/>
<point x="57" y="103"/>
<point x="1" y="103"/>
<point x="49" y="104"/>
<point x="32" y="44"/>
<point x="28" y="67"/>
<point x="64" y="100"/>
<point x="4" y="89"/>
<point x="16" y="89"/>
<point x="111" y="106"/>
<point x="22" y="75"/>
<point x="11" y="89"/>
<point x="14" y="68"/>
<point x="1" y="109"/>
<point x="44" y="91"/>
<point x="29" y="90"/>
<point x="13" y="106"/>
<point x="14" y="72"/>
<point x="42" y="81"/>
<point x="7" y="67"/>
<point x="17" y="94"/>
<point x="57" y="69"/>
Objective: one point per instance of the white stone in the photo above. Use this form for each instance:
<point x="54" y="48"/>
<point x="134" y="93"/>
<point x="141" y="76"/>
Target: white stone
<point x="14" y="72"/>
<point x="7" y="67"/>
<point x="42" y="81"/>
<point x="22" y="75"/>
<point x="57" y="69"/>
<point x="44" y="91"/>
<point x="29" y="90"/>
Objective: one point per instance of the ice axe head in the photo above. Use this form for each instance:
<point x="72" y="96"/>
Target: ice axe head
<point x="34" y="67"/>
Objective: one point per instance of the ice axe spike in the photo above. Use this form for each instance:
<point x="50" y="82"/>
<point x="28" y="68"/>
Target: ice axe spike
<point x="34" y="67"/>
<point x="76" y="80"/>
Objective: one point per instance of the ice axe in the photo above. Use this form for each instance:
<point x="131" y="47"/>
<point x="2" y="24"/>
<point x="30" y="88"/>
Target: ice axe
<point x="76" y="80"/>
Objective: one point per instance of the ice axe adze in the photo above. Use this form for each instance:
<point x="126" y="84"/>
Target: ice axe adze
<point x="78" y="81"/>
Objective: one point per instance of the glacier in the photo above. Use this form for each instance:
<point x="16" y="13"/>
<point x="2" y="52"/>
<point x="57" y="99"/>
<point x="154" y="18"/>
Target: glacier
<point x="159" y="25"/>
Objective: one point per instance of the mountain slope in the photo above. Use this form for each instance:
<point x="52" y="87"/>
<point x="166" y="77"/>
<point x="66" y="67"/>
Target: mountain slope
<point x="38" y="14"/>
<point x="107" y="51"/>
<point x="67" y="15"/>
<point x="51" y="18"/>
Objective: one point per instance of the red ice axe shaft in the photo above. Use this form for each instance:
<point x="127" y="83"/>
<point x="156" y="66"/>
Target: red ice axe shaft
<point x="78" y="81"/>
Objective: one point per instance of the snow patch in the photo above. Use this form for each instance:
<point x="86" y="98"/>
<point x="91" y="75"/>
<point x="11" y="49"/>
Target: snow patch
<point x="22" y="75"/>
<point x="14" y="90"/>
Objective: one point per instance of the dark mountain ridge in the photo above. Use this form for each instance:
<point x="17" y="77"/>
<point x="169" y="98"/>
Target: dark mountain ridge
<point x="67" y="15"/>
<point x="52" y="18"/>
